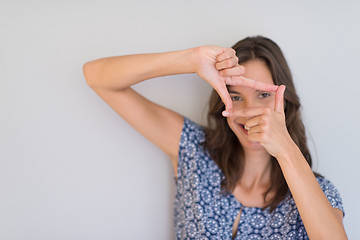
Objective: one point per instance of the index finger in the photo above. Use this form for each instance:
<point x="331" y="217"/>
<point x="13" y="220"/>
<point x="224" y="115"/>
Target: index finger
<point x="247" y="82"/>
<point x="245" y="112"/>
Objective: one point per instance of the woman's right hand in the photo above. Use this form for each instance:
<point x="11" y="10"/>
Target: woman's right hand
<point x="219" y="67"/>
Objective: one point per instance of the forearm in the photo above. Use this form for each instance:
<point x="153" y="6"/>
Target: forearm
<point x="319" y="217"/>
<point x="120" y="72"/>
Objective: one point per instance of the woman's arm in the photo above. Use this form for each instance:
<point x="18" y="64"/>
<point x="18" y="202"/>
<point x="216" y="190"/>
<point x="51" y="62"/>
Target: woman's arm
<point x="112" y="77"/>
<point x="118" y="73"/>
<point x="268" y="127"/>
<point x="320" y="219"/>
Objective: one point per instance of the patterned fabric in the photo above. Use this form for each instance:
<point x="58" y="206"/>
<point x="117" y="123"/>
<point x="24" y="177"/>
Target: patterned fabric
<point x="202" y="212"/>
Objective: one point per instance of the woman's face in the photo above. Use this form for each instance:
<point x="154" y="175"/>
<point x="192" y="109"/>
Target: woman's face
<point x="245" y="97"/>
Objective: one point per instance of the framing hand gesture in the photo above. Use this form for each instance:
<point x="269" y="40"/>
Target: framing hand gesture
<point x="219" y="67"/>
<point x="266" y="125"/>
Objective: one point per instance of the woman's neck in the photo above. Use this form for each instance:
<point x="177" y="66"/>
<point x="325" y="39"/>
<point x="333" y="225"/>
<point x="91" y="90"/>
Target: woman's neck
<point x="255" y="180"/>
<point x="257" y="170"/>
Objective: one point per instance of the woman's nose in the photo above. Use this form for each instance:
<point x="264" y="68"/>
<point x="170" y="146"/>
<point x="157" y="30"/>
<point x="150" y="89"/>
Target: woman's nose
<point x="251" y="103"/>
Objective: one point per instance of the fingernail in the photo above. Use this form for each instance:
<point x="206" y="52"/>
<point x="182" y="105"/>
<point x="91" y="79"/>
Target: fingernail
<point x="225" y="113"/>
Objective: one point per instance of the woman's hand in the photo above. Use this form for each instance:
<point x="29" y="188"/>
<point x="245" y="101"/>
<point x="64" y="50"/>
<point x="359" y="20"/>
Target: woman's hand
<point x="219" y="67"/>
<point x="267" y="126"/>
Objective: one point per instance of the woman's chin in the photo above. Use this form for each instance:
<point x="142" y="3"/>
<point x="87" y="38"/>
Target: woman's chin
<point x="252" y="146"/>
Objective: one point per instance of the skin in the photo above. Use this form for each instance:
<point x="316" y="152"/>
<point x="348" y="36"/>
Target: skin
<point x="263" y="115"/>
<point x="111" y="78"/>
<point x="256" y="177"/>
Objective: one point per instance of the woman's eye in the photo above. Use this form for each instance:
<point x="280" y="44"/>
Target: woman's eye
<point x="265" y="95"/>
<point x="236" y="98"/>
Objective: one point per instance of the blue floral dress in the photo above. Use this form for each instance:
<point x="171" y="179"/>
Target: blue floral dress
<point x="202" y="212"/>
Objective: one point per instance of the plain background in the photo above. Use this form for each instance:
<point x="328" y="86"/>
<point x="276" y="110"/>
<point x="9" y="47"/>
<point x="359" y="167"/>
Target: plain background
<point x="70" y="168"/>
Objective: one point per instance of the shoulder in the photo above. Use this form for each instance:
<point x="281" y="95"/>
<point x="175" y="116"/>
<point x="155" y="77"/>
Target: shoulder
<point x="331" y="192"/>
<point x="192" y="154"/>
<point x="327" y="186"/>
<point x="191" y="133"/>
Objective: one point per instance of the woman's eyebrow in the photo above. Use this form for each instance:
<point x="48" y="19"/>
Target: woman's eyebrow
<point x="231" y="91"/>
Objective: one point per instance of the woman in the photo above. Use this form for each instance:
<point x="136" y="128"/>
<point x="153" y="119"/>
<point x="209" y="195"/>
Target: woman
<point x="247" y="175"/>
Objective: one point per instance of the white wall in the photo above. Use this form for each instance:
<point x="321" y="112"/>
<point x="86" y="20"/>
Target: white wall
<point x="70" y="168"/>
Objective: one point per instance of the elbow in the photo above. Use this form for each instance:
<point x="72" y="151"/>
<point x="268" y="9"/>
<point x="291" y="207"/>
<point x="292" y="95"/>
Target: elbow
<point x="90" y="74"/>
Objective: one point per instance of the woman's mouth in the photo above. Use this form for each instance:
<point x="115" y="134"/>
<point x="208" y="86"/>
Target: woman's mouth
<point x="243" y="129"/>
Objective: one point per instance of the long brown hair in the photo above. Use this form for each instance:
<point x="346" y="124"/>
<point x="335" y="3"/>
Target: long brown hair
<point x="221" y="142"/>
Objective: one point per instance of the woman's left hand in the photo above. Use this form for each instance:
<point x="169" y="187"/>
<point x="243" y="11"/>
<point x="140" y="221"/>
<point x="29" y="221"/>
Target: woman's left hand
<point x="267" y="126"/>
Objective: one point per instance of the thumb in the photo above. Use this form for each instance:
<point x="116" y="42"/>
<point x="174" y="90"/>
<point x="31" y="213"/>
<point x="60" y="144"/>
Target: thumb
<point x="279" y="99"/>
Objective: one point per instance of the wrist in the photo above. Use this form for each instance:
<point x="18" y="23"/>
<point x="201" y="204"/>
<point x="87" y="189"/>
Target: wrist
<point x="188" y="60"/>
<point x="194" y="58"/>
<point x="288" y="151"/>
